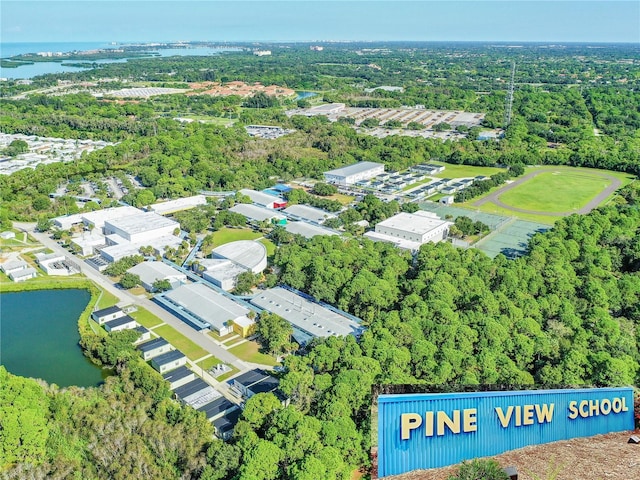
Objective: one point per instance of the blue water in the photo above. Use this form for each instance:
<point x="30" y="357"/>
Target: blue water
<point x="39" y="337"/>
<point x="42" y="68"/>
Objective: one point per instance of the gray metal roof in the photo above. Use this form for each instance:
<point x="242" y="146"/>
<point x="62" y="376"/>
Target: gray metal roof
<point x="152" y="344"/>
<point x="354" y="169"/>
<point x="304" y="314"/>
<point x="307" y="230"/>
<point x="177" y="374"/>
<point x="251" y="377"/>
<point x="218" y="406"/>
<point x="247" y="253"/>
<point x="306" y="212"/>
<point x="192" y="387"/>
<point x="254" y="212"/>
<point x="119" y="321"/>
<point x="168" y="357"/>
<point x="149" y="272"/>
<point x="142" y="222"/>
<point x="260" y="198"/>
<point x="206" y="304"/>
<point x="107" y="311"/>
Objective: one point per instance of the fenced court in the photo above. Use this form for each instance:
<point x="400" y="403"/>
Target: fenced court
<point x="512" y="240"/>
<point x="508" y="235"/>
<point x="492" y="221"/>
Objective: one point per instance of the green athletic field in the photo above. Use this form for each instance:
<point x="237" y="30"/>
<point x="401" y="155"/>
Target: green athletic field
<point x="556" y="192"/>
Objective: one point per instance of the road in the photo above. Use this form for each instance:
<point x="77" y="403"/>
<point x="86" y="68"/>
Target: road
<point x="126" y="298"/>
<point x="597" y="200"/>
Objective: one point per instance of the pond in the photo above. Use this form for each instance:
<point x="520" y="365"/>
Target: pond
<point x="39" y="337"/>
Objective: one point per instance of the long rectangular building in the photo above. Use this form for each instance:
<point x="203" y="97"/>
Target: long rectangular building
<point x="419" y="227"/>
<point x="206" y="305"/>
<point x="354" y="173"/>
<point x="309" y="318"/>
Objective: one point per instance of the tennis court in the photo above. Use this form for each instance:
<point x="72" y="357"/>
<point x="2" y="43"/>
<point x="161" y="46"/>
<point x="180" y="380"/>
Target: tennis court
<point x="511" y="240"/>
<point x="442" y="210"/>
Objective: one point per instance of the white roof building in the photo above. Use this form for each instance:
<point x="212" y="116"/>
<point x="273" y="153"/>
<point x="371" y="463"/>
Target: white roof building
<point x="305" y="212"/>
<point x="354" y="173"/>
<point x="232" y="259"/>
<point x="150" y="272"/>
<point x="117" y="251"/>
<point x="410" y="230"/>
<point x="309" y="317"/>
<point x="14" y="266"/>
<point x="255" y="213"/>
<point x="87" y="242"/>
<point x="141" y="227"/>
<point x="171" y="206"/>
<point x="246" y="253"/>
<point x="263" y="199"/>
<point x="206" y="305"/>
<point x="307" y="230"/>
<point x="24" y="274"/>
<point x="96" y="218"/>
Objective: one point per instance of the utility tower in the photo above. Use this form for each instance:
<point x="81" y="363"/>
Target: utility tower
<point x="509" y="100"/>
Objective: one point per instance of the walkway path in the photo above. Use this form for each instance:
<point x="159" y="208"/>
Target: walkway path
<point x="597" y="200"/>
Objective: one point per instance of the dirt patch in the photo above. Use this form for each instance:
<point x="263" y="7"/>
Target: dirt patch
<point x="603" y="457"/>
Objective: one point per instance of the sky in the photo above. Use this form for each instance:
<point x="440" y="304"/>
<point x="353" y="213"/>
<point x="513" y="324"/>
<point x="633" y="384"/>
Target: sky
<point x="329" y="20"/>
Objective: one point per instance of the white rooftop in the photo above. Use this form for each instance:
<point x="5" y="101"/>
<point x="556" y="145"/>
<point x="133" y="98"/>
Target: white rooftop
<point x="163" y="208"/>
<point x="306" y="212"/>
<point x="253" y="212"/>
<point x="142" y="222"/>
<point x="398" y="242"/>
<point x="354" y="169"/>
<point x="307" y="230"/>
<point x="304" y="314"/>
<point x="206" y="304"/>
<point x="260" y="198"/>
<point x="419" y="222"/>
<point x="221" y="270"/>
<point x="246" y="253"/>
<point x="149" y="272"/>
<point x="126" y="249"/>
<point x="98" y="217"/>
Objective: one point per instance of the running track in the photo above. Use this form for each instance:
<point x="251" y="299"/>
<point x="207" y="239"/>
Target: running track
<point x="597" y="200"/>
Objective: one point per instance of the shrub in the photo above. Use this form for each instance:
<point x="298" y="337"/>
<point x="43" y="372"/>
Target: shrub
<point x="480" y="470"/>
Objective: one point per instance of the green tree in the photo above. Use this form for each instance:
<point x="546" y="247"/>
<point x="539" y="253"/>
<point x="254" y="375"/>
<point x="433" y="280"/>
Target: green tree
<point x="245" y="282"/>
<point x="161" y="285"/>
<point x="24" y="412"/>
<point x="274" y="333"/>
<point x="129" y="280"/>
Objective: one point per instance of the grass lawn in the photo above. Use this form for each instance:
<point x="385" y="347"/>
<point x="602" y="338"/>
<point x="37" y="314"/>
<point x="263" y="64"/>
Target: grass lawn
<point x="226" y="235"/>
<point x="230" y="373"/>
<point x="342" y="198"/>
<point x="217" y="337"/>
<point x="207" y="363"/>
<point x="232" y="341"/>
<point x="271" y="247"/>
<point x="556" y="192"/>
<point x="248" y="352"/>
<point x="181" y="342"/>
<point x="137" y="290"/>
<point x="145" y="318"/>
<point x="458" y="171"/>
<point x="107" y="299"/>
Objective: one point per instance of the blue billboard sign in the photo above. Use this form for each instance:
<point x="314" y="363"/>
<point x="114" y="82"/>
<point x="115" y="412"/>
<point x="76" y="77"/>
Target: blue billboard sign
<point x="420" y="431"/>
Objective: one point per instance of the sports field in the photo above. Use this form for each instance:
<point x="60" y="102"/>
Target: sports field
<point x="545" y="194"/>
<point x="556" y="192"/>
